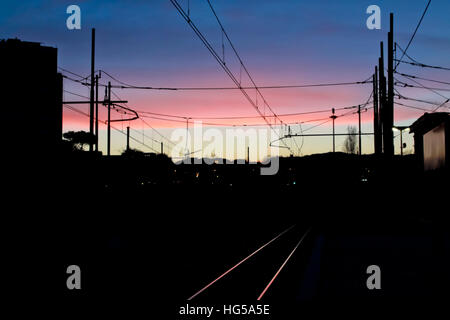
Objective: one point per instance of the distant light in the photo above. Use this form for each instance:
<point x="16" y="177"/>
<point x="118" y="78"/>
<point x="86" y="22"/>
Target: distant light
<point x="294" y="182"/>
<point x="400" y="128"/>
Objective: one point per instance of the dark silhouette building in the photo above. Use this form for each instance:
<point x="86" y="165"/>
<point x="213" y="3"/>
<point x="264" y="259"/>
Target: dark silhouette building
<point x="432" y="140"/>
<point x="31" y="98"/>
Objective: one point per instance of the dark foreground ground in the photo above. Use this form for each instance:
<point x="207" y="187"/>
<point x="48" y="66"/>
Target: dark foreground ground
<point x="150" y="248"/>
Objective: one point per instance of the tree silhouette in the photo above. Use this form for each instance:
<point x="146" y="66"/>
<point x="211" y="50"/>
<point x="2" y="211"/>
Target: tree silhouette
<point x="78" y="139"/>
<point x="350" y="141"/>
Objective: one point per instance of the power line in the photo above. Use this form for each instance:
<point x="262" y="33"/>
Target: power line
<point x="183" y="119"/>
<point x="326" y="120"/>
<point x="225" y="67"/>
<point x="160" y="134"/>
<point x="239" y="58"/>
<point x="432" y="90"/>
<point x="229" y="118"/>
<point x="76" y="110"/>
<point x="75" y="74"/>
<point x="411" y="107"/>
<point x="438" y="104"/>
<point x="83" y="82"/>
<point x="221" y="124"/>
<point x="414" y="34"/>
<point x="230" y="124"/>
<point x="421" y="78"/>
<point x="125" y="85"/>
<point x="417" y="63"/>
<point x="404" y="53"/>
<point x="407" y="85"/>
<point x="400" y="96"/>
<point x="136" y="140"/>
<point x="218" y="118"/>
<point x="339" y="116"/>
<point x="423" y="65"/>
<point x="243" y="117"/>
<point x="118" y="130"/>
<point x="318" y="125"/>
<point x="296" y="145"/>
<point x="225" y="118"/>
<point x="115" y="108"/>
<point x="441" y="105"/>
<point x="145" y="135"/>
<point x="303" y="139"/>
<point x="245" y="88"/>
<point x="245" y="69"/>
<point x="76" y="94"/>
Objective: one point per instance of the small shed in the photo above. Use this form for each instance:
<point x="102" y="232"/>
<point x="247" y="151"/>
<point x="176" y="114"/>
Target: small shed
<point x="432" y="140"/>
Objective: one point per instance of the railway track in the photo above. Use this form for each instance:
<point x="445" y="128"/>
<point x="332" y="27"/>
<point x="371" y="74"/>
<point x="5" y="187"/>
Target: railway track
<point x="255" y="276"/>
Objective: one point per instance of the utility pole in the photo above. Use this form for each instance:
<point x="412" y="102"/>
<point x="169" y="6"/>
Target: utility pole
<point x="382" y="95"/>
<point x="248" y="154"/>
<point x="128" y="138"/>
<point x="162" y="148"/>
<point x="401" y="129"/>
<point x="376" y="128"/>
<point x="91" y="109"/>
<point x="334" y="118"/>
<point x="109" y="120"/>
<point x="96" y="113"/>
<point x="389" y="109"/>
<point x="401" y="143"/>
<point x="359" y="130"/>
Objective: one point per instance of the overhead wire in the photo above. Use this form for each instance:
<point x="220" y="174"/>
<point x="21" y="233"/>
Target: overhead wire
<point x="223" y="64"/>
<point x="113" y="127"/>
<point x="422" y="78"/>
<point x="414" y="34"/>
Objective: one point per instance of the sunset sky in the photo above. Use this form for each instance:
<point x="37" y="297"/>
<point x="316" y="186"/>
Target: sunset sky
<point x="282" y="42"/>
